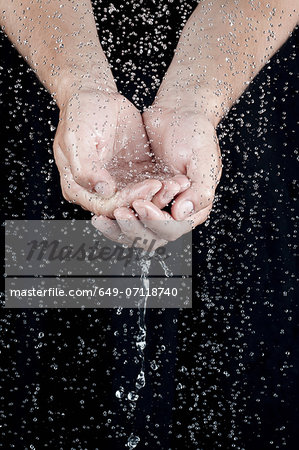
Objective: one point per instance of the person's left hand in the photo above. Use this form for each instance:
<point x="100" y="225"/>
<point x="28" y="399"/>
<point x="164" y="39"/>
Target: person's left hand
<point x="187" y="144"/>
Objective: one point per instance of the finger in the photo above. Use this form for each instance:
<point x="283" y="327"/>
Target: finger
<point x="169" y="189"/>
<point x="143" y="190"/>
<point x="160" y="222"/>
<point x="204" y="171"/>
<point x="163" y="225"/>
<point x="99" y="206"/>
<point x="110" y="229"/>
<point x="135" y="231"/>
<point x="71" y="191"/>
<point x="87" y="162"/>
<point x="104" y="188"/>
<point x="183" y="181"/>
<point x="74" y="193"/>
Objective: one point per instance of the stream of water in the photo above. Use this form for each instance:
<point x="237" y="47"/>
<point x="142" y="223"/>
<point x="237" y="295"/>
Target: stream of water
<point x="133" y="396"/>
<point x="145" y="264"/>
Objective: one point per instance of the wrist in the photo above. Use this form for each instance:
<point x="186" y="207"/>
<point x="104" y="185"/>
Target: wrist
<point x="72" y="80"/>
<point x="195" y="97"/>
<point x="186" y="83"/>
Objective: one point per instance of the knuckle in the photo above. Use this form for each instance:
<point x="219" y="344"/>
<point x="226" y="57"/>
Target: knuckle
<point x="85" y="177"/>
<point x="68" y="192"/>
<point x="65" y="194"/>
<point x="97" y="207"/>
<point x="79" y="175"/>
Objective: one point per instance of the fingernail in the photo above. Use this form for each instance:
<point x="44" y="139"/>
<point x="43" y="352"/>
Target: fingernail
<point x="154" y="191"/>
<point x="168" y="195"/>
<point x="151" y="194"/>
<point x="141" y="211"/>
<point x="183" y="181"/>
<point x="96" y="219"/>
<point x="121" y="215"/>
<point x="101" y="187"/>
<point x="126" y="222"/>
<point x="186" y="185"/>
<point x="186" y="209"/>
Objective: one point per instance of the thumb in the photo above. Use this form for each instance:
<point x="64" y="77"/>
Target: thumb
<point x="204" y="171"/>
<point x="87" y="158"/>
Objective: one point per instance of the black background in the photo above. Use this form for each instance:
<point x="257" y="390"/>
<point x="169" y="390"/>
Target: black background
<point x="228" y="375"/>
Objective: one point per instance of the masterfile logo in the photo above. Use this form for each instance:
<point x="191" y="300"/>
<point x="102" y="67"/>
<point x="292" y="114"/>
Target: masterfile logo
<point x="69" y="264"/>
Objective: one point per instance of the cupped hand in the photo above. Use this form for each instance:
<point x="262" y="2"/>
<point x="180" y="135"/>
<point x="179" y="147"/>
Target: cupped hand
<point x="101" y="150"/>
<point x="186" y="143"/>
<point x="146" y="226"/>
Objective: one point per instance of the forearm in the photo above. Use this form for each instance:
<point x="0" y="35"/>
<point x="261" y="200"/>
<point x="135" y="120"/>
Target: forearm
<point x="224" y="44"/>
<point x="58" y="38"/>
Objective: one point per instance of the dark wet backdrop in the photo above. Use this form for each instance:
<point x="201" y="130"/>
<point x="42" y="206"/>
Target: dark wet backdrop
<point x="227" y="369"/>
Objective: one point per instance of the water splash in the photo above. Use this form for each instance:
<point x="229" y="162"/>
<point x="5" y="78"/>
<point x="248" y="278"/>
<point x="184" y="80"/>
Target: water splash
<point x="133" y="441"/>
<point x="167" y="271"/>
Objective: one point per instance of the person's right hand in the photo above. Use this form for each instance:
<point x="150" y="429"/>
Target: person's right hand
<point x="101" y="151"/>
